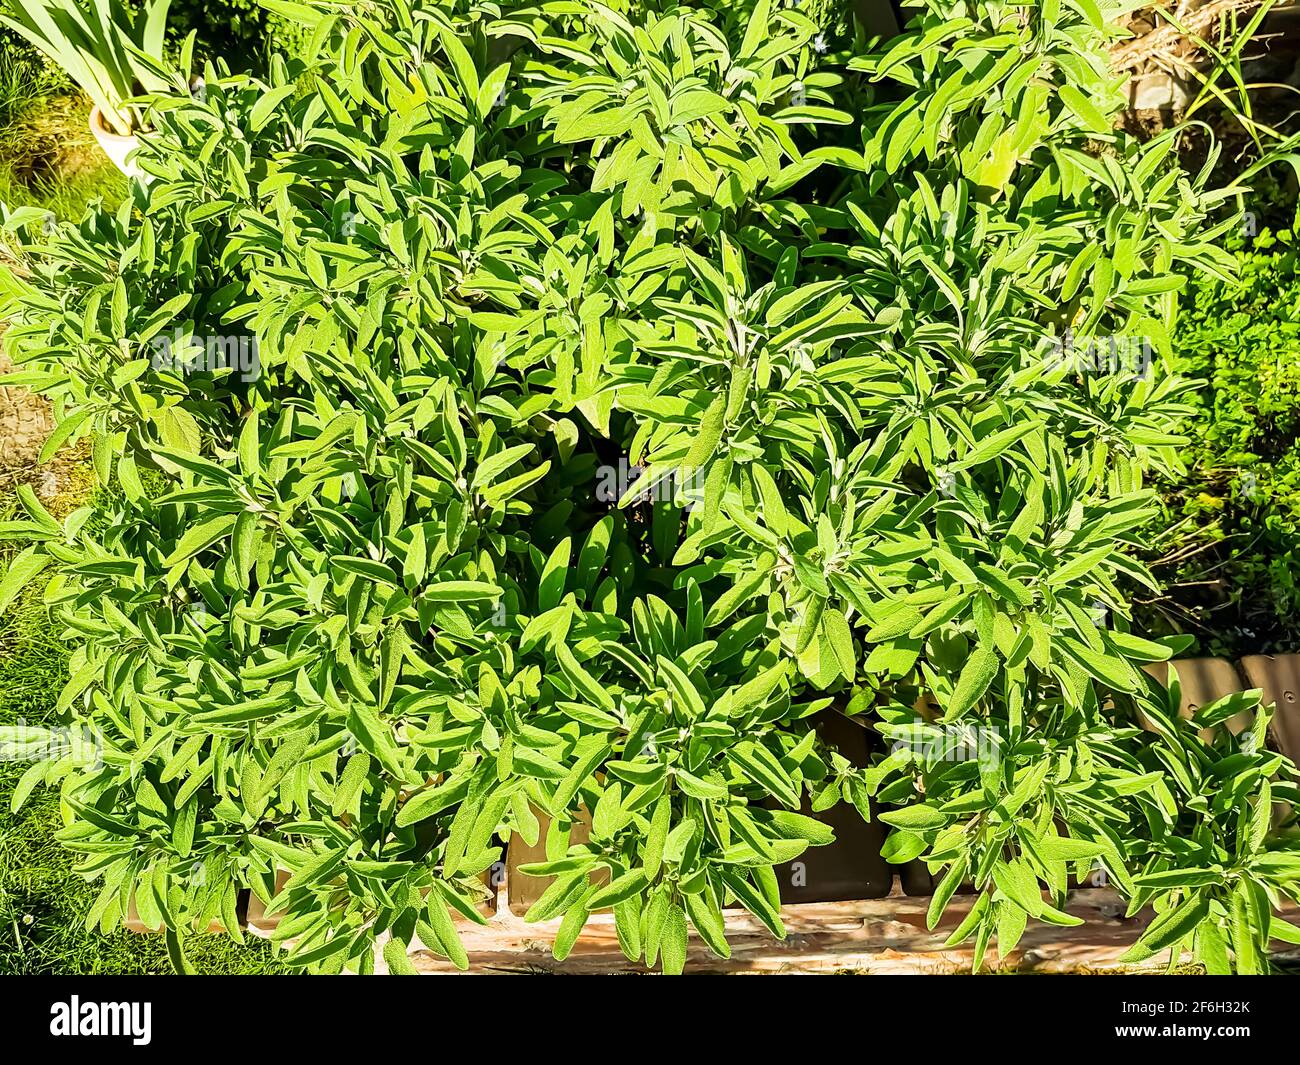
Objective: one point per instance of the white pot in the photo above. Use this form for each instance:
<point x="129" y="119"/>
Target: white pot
<point x="115" y="146"/>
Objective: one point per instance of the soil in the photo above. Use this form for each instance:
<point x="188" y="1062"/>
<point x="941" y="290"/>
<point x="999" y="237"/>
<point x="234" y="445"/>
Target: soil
<point x="25" y="424"/>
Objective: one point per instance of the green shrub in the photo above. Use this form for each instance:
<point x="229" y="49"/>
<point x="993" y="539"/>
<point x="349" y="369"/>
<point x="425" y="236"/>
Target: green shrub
<point x="392" y="344"/>
<point x="1231" y="546"/>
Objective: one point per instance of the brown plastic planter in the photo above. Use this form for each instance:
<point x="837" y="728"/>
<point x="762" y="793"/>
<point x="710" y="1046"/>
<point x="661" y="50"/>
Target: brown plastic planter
<point x="523" y="890"/>
<point x="916" y="879"/>
<point x="1201" y="681"/>
<point x="851" y="867"/>
<point x="918" y="882"/>
<point x="258" y="921"/>
<point x="1279" y="677"/>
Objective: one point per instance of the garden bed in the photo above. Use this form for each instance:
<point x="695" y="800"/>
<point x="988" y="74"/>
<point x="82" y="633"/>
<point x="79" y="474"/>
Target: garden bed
<point x="869" y="937"/>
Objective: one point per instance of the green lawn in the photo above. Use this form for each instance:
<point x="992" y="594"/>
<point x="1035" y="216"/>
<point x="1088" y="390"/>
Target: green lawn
<point x="48" y="157"/>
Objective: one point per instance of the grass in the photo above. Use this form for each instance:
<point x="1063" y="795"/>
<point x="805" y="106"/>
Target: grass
<point x="67" y="199"/>
<point x="48" y="157"/>
<point x="25" y="78"/>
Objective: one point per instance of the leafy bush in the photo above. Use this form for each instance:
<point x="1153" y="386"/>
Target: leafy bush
<point x="1231" y="531"/>
<point x="392" y="344"/>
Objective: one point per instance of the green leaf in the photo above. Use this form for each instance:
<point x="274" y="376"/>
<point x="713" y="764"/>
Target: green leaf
<point x="920" y="817"/>
<point x="24" y="568"/>
<point x="1170" y="928"/>
<point x="976" y="677"/>
<point x="399" y="964"/>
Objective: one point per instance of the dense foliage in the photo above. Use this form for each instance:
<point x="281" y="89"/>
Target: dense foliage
<point x="369" y="349"/>
<point x="1228" y="546"/>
